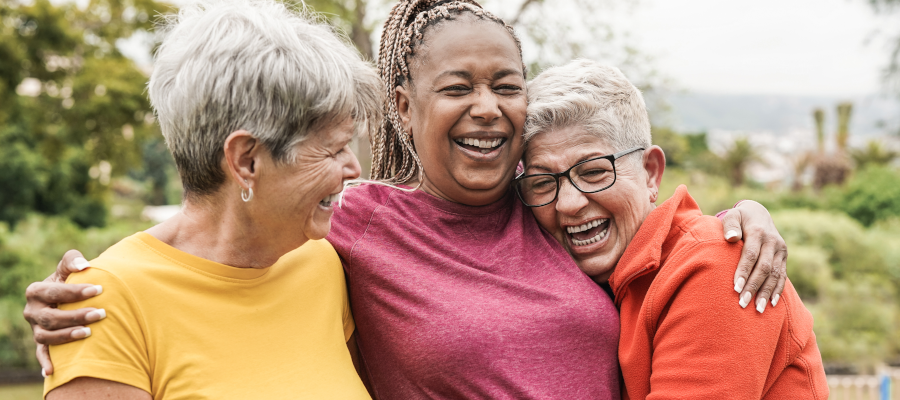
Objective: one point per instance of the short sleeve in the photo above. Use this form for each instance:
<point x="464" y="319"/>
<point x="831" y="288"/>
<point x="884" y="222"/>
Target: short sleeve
<point x="116" y="350"/>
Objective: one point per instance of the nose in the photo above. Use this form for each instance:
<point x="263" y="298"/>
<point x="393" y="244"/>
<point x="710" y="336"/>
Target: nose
<point x="486" y="106"/>
<point x="569" y="201"/>
<point x="351" y="168"/>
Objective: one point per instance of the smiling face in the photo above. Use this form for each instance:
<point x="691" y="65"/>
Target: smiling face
<point x="298" y="197"/>
<point x="595" y="228"/>
<point x="465" y="109"/>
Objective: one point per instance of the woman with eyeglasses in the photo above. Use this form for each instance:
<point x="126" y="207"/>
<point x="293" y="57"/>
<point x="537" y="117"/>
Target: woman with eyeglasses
<point x="681" y="335"/>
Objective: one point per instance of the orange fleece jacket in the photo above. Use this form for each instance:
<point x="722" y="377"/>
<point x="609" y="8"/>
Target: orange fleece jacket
<point x="683" y="334"/>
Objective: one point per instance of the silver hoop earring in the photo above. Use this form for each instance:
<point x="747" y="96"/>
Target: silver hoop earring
<point x="246" y="197"/>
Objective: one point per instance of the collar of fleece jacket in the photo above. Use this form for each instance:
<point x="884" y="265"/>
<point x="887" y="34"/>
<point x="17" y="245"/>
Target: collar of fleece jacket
<point x="648" y="247"/>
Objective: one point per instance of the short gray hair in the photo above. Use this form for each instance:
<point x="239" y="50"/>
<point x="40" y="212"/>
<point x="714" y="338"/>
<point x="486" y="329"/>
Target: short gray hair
<point x="587" y="94"/>
<point x="255" y="65"/>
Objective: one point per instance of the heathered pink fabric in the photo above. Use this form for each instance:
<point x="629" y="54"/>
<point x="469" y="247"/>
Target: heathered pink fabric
<point x="460" y="302"/>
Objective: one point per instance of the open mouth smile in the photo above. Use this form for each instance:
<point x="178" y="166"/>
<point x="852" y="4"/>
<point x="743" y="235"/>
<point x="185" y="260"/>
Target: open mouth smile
<point x="588" y="233"/>
<point x="328" y="201"/>
<point x="482" y="146"/>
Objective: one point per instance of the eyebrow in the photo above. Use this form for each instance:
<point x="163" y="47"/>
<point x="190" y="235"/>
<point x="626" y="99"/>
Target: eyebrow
<point x="548" y="170"/>
<point x="459" y="73"/>
<point x="468" y="75"/>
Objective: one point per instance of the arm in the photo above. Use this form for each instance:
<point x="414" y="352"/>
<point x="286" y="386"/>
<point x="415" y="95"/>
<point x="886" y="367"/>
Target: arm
<point x="358" y="364"/>
<point x="704" y="347"/>
<point x="51" y="325"/>
<point x="92" y="388"/>
<point x="764" y="253"/>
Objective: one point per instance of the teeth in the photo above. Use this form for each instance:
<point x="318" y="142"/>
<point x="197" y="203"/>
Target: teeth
<point x="600" y="236"/>
<point x="330" y="199"/>
<point x="588" y="225"/>
<point x="484" y="144"/>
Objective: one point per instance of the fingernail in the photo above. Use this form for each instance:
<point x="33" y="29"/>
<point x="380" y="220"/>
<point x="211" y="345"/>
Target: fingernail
<point x="775" y="298"/>
<point x="92" y="291"/>
<point x="745" y="299"/>
<point x="761" y="305"/>
<point x="43" y="373"/>
<point x="730" y="235"/>
<point x="95" y="315"/>
<point x="80" y="263"/>
<point x="81" y="333"/>
<point x="739" y="285"/>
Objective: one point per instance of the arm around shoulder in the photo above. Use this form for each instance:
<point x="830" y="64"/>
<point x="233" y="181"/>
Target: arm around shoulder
<point x="115" y="351"/>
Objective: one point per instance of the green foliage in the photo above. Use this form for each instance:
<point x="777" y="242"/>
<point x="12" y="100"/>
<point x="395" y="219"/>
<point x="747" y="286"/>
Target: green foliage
<point x="847" y="277"/>
<point x="872" y="195"/>
<point x="874" y="154"/>
<point x="29" y="253"/>
<point x="85" y="117"/>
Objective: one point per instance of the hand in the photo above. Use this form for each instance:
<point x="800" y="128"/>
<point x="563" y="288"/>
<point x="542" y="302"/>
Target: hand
<point x="51" y="325"/>
<point x="765" y="253"/>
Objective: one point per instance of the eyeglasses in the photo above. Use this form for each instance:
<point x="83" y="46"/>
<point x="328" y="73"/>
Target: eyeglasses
<point x="588" y="176"/>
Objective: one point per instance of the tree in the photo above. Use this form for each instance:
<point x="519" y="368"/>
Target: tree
<point x="74" y="111"/>
<point x="737" y="158"/>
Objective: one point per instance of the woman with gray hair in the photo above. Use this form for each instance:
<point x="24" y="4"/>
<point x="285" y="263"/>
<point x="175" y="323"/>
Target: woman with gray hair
<point x="681" y="335"/>
<point x="257" y="104"/>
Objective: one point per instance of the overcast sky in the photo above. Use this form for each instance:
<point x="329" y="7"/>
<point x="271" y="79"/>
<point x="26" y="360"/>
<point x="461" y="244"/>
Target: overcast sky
<point x="795" y="47"/>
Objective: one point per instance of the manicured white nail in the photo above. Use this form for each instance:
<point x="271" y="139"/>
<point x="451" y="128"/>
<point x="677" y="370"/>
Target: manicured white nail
<point x="92" y="291"/>
<point x="80" y="263"/>
<point x="761" y="305"/>
<point x="43" y="373"/>
<point x="739" y="285"/>
<point x="745" y="299"/>
<point x="81" y="333"/>
<point x="95" y="315"/>
<point x="730" y="234"/>
<point x="775" y="299"/>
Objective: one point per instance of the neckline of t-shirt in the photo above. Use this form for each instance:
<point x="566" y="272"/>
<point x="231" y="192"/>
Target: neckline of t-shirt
<point x="190" y="261"/>
<point x="504" y="203"/>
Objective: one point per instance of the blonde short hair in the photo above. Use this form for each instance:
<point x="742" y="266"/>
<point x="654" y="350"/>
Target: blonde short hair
<point x="588" y="94"/>
<point x="256" y="65"/>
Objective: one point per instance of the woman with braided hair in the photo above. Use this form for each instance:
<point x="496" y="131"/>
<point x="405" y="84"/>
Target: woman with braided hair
<point x="456" y="291"/>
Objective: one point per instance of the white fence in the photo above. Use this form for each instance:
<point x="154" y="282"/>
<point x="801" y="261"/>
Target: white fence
<point x="865" y="387"/>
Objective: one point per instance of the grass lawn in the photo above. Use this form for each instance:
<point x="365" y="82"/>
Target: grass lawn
<point x="31" y="391"/>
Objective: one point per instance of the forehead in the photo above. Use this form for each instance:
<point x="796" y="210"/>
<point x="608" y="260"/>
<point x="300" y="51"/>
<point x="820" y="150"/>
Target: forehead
<point x="465" y="43"/>
<point x="335" y="132"/>
<point x="565" y="145"/>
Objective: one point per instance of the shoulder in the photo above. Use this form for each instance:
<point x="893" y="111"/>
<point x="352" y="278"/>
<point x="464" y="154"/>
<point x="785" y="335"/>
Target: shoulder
<point x="700" y="254"/>
<point x="127" y="260"/>
<point x="354" y="212"/>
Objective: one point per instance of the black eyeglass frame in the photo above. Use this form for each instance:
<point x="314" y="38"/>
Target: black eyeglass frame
<point x="611" y="157"/>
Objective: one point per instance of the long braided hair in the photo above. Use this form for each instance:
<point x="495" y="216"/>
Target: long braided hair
<point x="394" y="159"/>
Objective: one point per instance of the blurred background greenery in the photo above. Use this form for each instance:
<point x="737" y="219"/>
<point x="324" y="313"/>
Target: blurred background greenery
<point x="82" y="159"/>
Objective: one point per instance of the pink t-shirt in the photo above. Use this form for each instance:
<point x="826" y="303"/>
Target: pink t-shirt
<point x="461" y="302"/>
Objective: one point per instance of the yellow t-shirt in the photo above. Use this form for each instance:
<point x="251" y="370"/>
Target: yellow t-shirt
<point x="179" y="326"/>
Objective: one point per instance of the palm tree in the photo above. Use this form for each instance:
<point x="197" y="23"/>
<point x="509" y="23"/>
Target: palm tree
<point x="737" y="158"/>
<point x="873" y="154"/>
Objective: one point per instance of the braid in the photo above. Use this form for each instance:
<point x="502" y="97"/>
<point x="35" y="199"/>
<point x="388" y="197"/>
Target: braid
<point x="394" y="159"/>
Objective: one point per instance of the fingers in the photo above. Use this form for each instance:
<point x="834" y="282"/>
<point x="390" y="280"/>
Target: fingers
<point x="781" y="269"/>
<point x="54" y="319"/>
<point x="731" y="225"/>
<point x="44" y="294"/>
<point x="43" y="356"/>
<point x="765" y="292"/>
<point x="71" y="262"/>
<point x="760" y="256"/>
<point x="61" y="336"/>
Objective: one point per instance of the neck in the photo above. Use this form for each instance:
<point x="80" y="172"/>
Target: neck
<point x="224" y="231"/>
